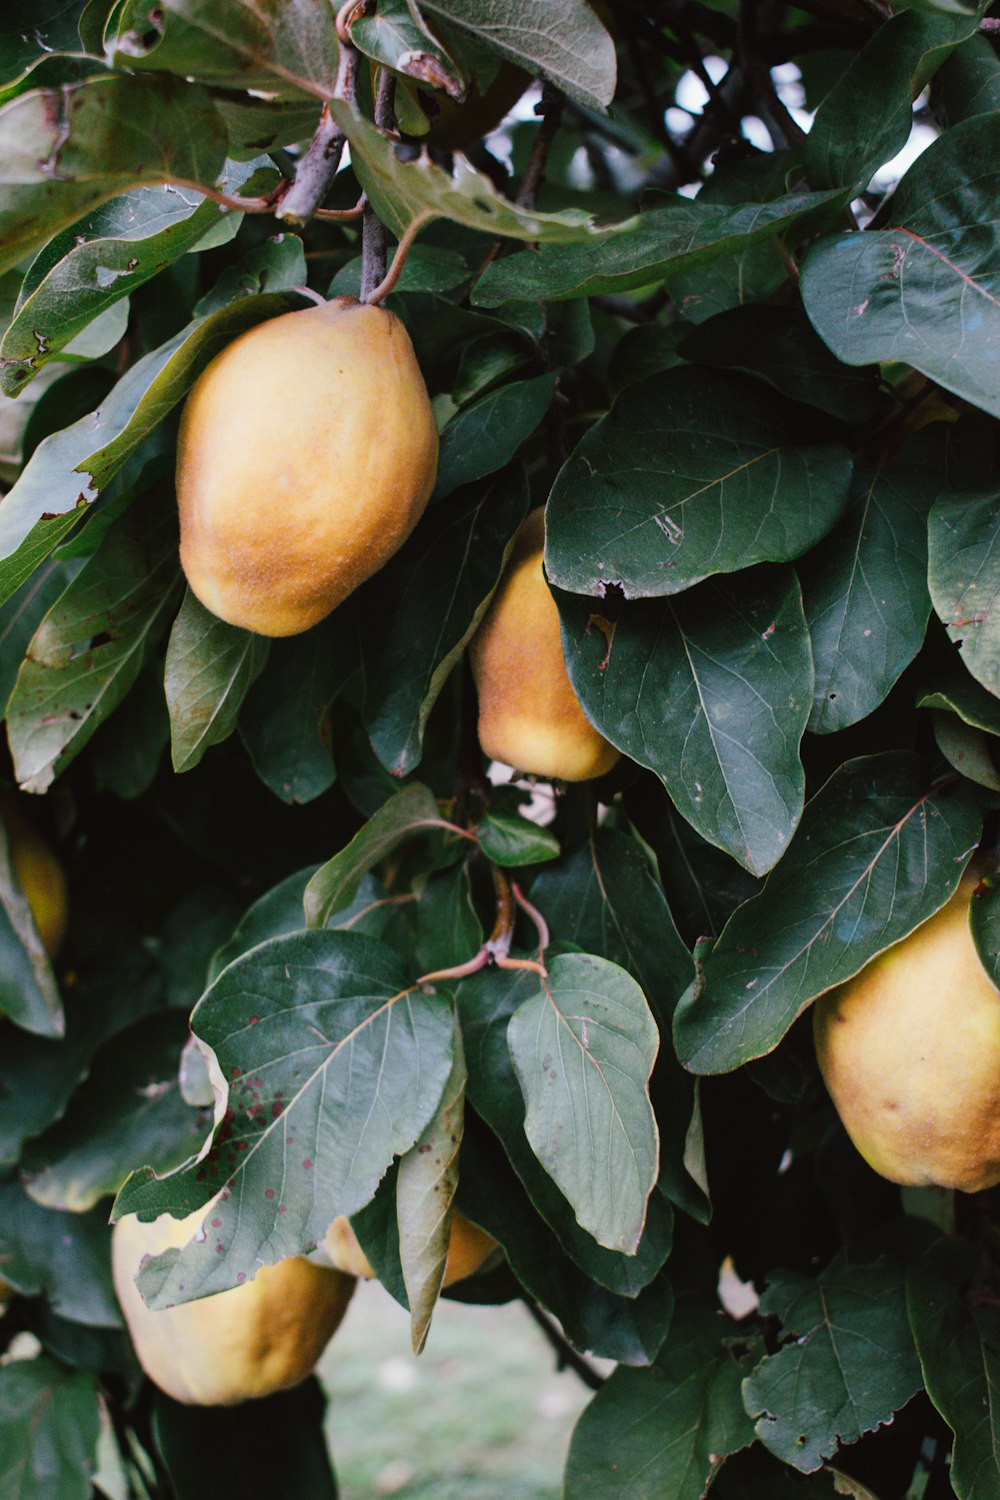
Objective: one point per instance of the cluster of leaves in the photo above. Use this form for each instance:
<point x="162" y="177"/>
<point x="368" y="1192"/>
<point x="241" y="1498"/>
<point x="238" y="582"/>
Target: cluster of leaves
<point x="762" y="421"/>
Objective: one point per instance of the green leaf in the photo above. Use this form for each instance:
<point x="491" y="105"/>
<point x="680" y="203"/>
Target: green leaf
<point x="209" y="670"/>
<point x="64" y="1257"/>
<point x="129" y="1109"/>
<point x="667" y="1430"/>
<point x="487" y="1003"/>
<point x="50" y="1419"/>
<point x="32" y="26"/>
<point x="924" y="290"/>
<point x="848" y="1364"/>
<point x="21" y="616"/>
<point x="328" y="1066"/>
<point x="507" y="839"/>
<point x="66" y="151"/>
<point x="876" y="854"/>
<point x="411" y="810"/>
<point x="867" y="116"/>
<point x="958" y="1340"/>
<point x="984" y="922"/>
<point x="403" y="191"/>
<point x="420" y="611"/>
<point x="566" y="43"/>
<point x="629" y="1329"/>
<point x="69" y="469"/>
<point x="425" y="1190"/>
<point x="678" y="235"/>
<point x="273" y="1445"/>
<point x="485" y="436"/>
<point x="956" y="692"/>
<point x="712" y="691"/>
<point x="448" y="930"/>
<point x="100" y="260"/>
<point x="692" y="473"/>
<point x="780" y="345"/>
<point x="29" y="994"/>
<point x="283" y="722"/>
<point x="865" y="592"/>
<point x="396" y="36"/>
<point x="970" y="80"/>
<point x="93" y="643"/>
<point x="968" y="750"/>
<point x="583" y="1049"/>
<point x="255" y="44"/>
<point x="964" y="578"/>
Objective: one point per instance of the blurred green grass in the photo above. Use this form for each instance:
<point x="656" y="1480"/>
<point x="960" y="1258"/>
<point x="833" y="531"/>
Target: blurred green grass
<point x="483" y="1414"/>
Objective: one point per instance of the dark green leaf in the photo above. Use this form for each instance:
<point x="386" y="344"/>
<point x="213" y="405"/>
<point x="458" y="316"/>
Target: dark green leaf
<point x="50" y="1419"/>
<point x="984" y="921"/>
<point x="712" y="691"/>
<point x="63" y="1257"/>
<point x="958" y="1340"/>
<point x="332" y="1065"/>
<point x="926" y="289"/>
<point x="91" y="646"/>
<point x="22" y="614"/>
<point x="678" y="235"/>
<point x="867" y="116"/>
<point x="877" y="853"/>
<point x="667" y="1430"/>
<point x="567" y="44"/>
<point x="964" y="577"/>
<point x="956" y="692"/>
<point x="66" y="151"/>
<point x="130" y="1109"/>
<point x="509" y="840"/>
<point x="420" y="611"/>
<point x="485" y="436"/>
<point x="32" y="26"/>
<point x="970" y="80"/>
<point x="968" y="750"/>
<point x="396" y="36"/>
<point x="780" y="345"/>
<point x="583" y="1048"/>
<point x="692" y="473"/>
<point x="866" y="595"/>
<point x="209" y="670"/>
<point x="29" y="995"/>
<point x="849" y="1363"/>
<point x="283" y="722"/>
<point x="448" y="929"/>
<point x="410" y="811"/>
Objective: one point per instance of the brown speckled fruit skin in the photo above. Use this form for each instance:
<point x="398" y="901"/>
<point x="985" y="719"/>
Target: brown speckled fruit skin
<point x="529" y="716"/>
<point x="307" y="454"/>
<point x="910" y="1052"/>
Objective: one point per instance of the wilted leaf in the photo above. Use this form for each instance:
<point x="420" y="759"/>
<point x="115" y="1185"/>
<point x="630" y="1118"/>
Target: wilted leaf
<point x="583" y="1048"/>
<point x="877" y="853"/>
<point x="692" y="473"/>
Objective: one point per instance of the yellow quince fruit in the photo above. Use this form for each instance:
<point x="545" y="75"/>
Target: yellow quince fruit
<point x="262" y="1336"/>
<point x="469" y="1248"/>
<point x="306" y="455"/>
<point x="910" y="1052"/>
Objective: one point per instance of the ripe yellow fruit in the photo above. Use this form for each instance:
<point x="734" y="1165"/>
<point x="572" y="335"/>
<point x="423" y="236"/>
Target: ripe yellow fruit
<point x="39" y="874"/>
<point x="910" y="1052"/>
<point x="469" y="1248"/>
<point x="263" y="1336"/>
<point x="307" y="453"/>
<point x="529" y="716"/>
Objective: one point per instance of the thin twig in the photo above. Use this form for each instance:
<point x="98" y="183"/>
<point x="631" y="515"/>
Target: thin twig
<point x="373" y="236"/>
<point x="315" y="172"/>
<point x="550" y="107"/>
<point x="342" y="213"/>
<point x="390" y="277"/>
<point x="565" y="1353"/>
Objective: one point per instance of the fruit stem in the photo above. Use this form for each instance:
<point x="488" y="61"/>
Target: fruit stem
<point x="381" y="291"/>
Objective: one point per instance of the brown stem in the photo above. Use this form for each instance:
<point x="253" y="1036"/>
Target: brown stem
<point x="341" y="213"/>
<point x="567" y="1357"/>
<point x="541" y="926"/>
<point x="315" y="172"/>
<point x="379" y="292"/>
<point x="373" y="235"/>
<point x="550" y="108"/>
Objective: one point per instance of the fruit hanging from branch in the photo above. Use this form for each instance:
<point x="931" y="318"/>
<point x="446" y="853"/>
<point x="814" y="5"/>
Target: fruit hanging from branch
<point x="307" y="453"/>
<point x="529" y="715"/>
<point x="910" y="1052"/>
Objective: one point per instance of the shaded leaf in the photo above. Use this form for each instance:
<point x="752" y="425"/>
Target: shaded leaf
<point x="65" y="151"/>
<point x="849" y="1363"/>
<point x="448" y="930"/>
<point x="924" y="289"/>
<point x="968" y="750"/>
<point x="410" y="811"/>
<point x="21" y="616"/>
<point x="669" y="1429"/>
<point x="509" y="840"/>
<point x="673" y="236"/>
<point x="958" y="1340"/>
<point x="583" y="1048"/>
<point x="29" y="27"/>
<point x="61" y="1256"/>
<point x="692" y="473"/>
<point x="566" y="43"/>
<point x="50" y="1420"/>
<point x="29" y="994"/>
<point x="712" y="691"/>
<point x="423" y="607"/>
<point x="93" y="643"/>
<point x="326" y="1066"/>
<point x="877" y="853"/>
<point x="964" y="577"/>
<point x="485" y="436"/>
<point x="209" y="670"/>
<point x="425" y="1189"/>
<point x="956" y="692"/>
